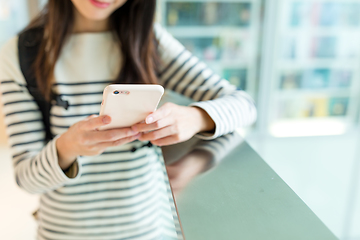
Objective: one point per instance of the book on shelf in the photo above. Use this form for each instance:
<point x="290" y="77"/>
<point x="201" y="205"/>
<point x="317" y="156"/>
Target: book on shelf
<point x="325" y="13"/>
<point x="315" y="107"/>
<point x="297" y="14"/>
<point x="219" y="13"/>
<point x="226" y="46"/>
<point x="324" y="47"/>
<point x="338" y="106"/>
<point x="291" y="80"/>
<point x="340" y="79"/>
<point x="206" y="48"/>
<point x="314" y="79"/>
<point x="331" y="47"/>
<point x="236" y="77"/>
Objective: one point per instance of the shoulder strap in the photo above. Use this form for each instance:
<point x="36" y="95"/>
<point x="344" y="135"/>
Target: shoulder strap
<point x="28" y="47"/>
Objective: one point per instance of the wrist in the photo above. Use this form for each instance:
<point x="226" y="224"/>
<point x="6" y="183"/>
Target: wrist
<point x="65" y="155"/>
<point x="206" y="124"/>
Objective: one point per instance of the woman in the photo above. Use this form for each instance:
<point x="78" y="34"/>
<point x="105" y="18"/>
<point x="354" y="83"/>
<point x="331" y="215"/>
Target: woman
<point x="107" y="184"/>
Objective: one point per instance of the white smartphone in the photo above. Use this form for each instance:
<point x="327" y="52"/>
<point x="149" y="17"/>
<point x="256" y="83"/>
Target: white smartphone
<point x="128" y="104"/>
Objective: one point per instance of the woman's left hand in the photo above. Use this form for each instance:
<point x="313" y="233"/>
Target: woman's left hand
<point x="171" y="124"/>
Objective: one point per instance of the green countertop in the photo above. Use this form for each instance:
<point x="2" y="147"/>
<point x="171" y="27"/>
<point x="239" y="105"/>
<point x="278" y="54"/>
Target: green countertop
<point x="243" y="198"/>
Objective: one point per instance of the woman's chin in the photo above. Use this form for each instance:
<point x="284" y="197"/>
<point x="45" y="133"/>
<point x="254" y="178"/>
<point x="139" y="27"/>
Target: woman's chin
<point x="97" y="16"/>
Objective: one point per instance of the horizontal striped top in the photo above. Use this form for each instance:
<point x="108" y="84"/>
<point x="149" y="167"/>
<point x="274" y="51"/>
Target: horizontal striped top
<point x="124" y="192"/>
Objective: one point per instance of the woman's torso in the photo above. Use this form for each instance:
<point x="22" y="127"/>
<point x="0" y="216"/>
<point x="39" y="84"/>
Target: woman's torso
<point x="122" y="193"/>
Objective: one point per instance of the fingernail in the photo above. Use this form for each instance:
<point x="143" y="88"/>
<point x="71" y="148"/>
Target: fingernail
<point x="134" y="132"/>
<point x="149" y="120"/>
<point x="106" y="120"/>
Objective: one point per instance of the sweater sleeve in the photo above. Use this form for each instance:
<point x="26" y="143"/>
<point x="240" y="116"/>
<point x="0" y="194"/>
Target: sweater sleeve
<point x="183" y="73"/>
<point x="35" y="162"/>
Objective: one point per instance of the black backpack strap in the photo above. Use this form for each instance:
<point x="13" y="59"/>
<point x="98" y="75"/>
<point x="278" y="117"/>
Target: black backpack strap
<point x="28" y="47"/>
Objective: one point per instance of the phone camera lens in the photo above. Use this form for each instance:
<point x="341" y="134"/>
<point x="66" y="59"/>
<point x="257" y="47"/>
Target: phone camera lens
<point x="116" y="92"/>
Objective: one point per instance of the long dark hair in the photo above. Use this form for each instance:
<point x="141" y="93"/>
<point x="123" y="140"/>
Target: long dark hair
<point x="132" y="25"/>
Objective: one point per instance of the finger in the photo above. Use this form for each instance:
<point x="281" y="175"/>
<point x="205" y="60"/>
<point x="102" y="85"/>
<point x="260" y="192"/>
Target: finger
<point x="143" y="127"/>
<point x="91" y="116"/>
<point x="170" y="140"/>
<point x="109" y="135"/>
<point x="104" y="145"/>
<point x="158" y="134"/>
<point x="95" y="122"/>
<point x="160" y="113"/>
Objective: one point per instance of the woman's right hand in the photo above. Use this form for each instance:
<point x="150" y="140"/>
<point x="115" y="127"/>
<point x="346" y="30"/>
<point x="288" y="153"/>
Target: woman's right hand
<point x="83" y="138"/>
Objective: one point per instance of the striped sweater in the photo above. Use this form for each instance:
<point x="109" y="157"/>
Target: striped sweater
<point x="124" y="192"/>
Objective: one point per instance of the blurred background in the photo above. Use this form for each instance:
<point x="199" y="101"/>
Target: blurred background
<point x="299" y="59"/>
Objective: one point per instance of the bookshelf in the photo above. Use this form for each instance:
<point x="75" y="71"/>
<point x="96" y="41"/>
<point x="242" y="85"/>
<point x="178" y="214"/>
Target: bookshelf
<point x="13" y="17"/>
<point x="315" y="68"/>
<point x="222" y="33"/>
